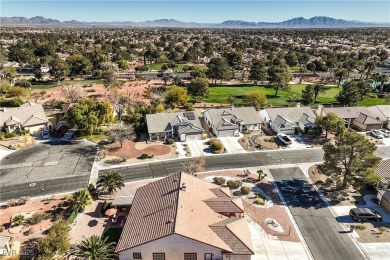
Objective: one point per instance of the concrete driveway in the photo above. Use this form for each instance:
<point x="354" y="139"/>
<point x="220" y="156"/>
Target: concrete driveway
<point x="199" y="148"/>
<point x="298" y="142"/>
<point x="386" y="141"/>
<point x="232" y="145"/>
<point x="343" y="211"/>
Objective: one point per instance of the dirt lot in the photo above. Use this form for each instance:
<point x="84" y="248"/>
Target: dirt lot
<point x="374" y="233"/>
<point x="134" y="88"/>
<point x="131" y="150"/>
<point x="18" y="142"/>
<point x="35" y="206"/>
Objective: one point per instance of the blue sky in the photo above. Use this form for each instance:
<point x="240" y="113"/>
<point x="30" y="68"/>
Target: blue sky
<point x="197" y="10"/>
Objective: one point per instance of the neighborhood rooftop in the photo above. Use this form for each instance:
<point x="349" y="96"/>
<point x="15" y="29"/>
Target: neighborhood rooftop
<point x="178" y="205"/>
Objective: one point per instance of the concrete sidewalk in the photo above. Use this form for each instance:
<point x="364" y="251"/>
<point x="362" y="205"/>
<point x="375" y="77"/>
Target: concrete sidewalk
<point x="267" y="249"/>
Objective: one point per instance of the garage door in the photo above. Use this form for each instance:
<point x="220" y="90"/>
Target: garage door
<point x="193" y="137"/>
<point x="225" y="133"/>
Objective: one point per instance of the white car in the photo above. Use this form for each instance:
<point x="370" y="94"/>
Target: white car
<point x="385" y="133"/>
<point x="377" y="134"/>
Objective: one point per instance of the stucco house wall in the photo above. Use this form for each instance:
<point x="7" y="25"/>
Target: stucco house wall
<point x="174" y="247"/>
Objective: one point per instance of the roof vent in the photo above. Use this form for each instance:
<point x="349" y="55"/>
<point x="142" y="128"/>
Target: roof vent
<point x="183" y="187"/>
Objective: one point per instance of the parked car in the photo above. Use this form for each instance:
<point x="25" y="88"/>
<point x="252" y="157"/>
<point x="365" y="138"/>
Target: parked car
<point x="45" y="134"/>
<point x="376" y="134"/>
<point x="284" y="139"/>
<point x="61" y="130"/>
<point x="385" y="133"/>
<point x="365" y="214"/>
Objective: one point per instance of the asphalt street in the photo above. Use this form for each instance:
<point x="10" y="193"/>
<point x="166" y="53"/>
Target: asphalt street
<point x="52" y="168"/>
<point x="323" y="234"/>
<point x="46" y="168"/>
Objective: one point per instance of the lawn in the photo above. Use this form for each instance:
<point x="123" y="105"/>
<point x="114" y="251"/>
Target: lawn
<point x="113" y="234"/>
<point x="221" y="94"/>
<point x="52" y="84"/>
<point x="294" y="69"/>
<point x="367" y="102"/>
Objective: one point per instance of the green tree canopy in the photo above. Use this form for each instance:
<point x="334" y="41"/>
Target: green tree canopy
<point x="351" y="93"/>
<point x="176" y="96"/>
<point x="59" y="69"/>
<point x="318" y="88"/>
<point x="308" y="95"/>
<point x="219" y="69"/>
<point x="88" y="114"/>
<point x="57" y="242"/>
<point x="256" y="98"/>
<point x="279" y="76"/>
<point x="199" y="88"/>
<point x="258" y="70"/>
<point x="331" y="123"/>
<point x="350" y="157"/>
<point x="79" y="65"/>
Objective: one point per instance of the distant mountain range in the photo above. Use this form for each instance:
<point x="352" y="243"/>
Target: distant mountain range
<point x="299" y="22"/>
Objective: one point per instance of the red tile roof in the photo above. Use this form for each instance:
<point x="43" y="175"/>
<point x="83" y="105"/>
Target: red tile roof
<point x="162" y="208"/>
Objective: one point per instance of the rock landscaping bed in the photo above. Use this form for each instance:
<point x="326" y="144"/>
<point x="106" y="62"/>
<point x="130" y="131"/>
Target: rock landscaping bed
<point x="373" y="232"/>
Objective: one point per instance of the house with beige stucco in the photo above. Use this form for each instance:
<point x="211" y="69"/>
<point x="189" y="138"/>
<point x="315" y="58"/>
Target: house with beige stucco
<point x="183" y="217"/>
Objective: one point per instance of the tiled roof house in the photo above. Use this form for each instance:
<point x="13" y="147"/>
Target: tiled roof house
<point x="183" y="217"/>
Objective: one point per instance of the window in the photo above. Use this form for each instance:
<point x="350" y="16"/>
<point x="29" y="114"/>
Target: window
<point x="190" y="256"/>
<point x="137" y="256"/>
<point x="158" y="256"/>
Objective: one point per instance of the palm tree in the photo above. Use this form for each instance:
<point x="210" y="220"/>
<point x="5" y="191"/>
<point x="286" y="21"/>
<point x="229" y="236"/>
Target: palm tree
<point x="80" y="199"/>
<point x="96" y="248"/>
<point x="111" y="182"/>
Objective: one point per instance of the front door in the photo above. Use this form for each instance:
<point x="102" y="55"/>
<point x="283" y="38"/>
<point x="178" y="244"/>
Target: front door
<point x="208" y="256"/>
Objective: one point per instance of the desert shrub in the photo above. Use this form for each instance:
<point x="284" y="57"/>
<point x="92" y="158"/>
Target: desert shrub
<point x="145" y="156"/>
<point x="189" y="107"/>
<point x="25" y="132"/>
<point x="234" y="184"/>
<point x="10" y="135"/>
<point x="216" y="145"/>
<point x="219" y="180"/>
<point x="12" y="203"/>
<point x="18" y="220"/>
<point x="38" y="217"/>
<point x="360" y="227"/>
<point x="245" y="190"/>
<point x="259" y="195"/>
<point x="259" y="202"/>
<point x="91" y="90"/>
<point x="13" y="102"/>
<point x="169" y="141"/>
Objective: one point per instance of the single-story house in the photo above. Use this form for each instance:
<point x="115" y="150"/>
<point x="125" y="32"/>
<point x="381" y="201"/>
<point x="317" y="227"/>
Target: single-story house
<point x="362" y="118"/>
<point x="183" y="217"/>
<point x="29" y="116"/>
<point x="230" y="121"/>
<point x="286" y="119"/>
<point x="383" y="186"/>
<point x="185" y="125"/>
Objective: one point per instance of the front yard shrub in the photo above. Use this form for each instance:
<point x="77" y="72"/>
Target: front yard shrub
<point x="23" y="200"/>
<point x="145" y="156"/>
<point x="72" y="216"/>
<point x="38" y="217"/>
<point x="245" y="190"/>
<point x="25" y="132"/>
<point x="104" y="207"/>
<point x="10" y="135"/>
<point x="234" y="184"/>
<point x="18" y="220"/>
<point x="219" y="180"/>
<point x="216" y="145"/>
<point x="361" y="227"/>
<point x="188" y="107"/>
<point x="169" y="141"/>
<point x="259" y="202"/>
<point x="91" y="90"/>
<point x="29" y="231"/>
<point x="259" y="195"/>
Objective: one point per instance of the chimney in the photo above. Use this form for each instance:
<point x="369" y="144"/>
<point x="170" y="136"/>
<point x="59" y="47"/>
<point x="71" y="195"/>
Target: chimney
<point x="183" y="187"/>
